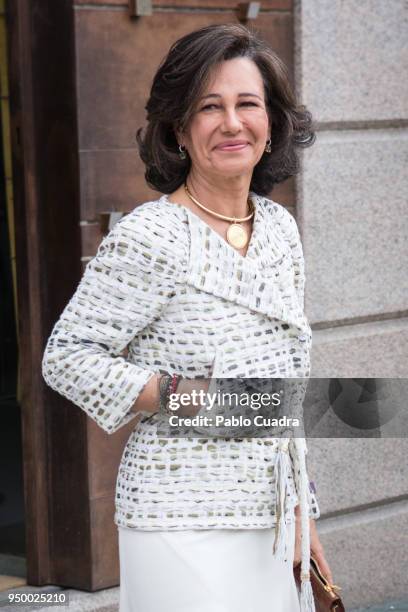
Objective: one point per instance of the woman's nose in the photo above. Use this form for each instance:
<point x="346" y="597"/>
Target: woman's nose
<point x="231" y="120"/>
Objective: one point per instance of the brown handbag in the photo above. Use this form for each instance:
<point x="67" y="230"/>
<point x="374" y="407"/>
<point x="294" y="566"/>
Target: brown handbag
<point x="325" y="595"/>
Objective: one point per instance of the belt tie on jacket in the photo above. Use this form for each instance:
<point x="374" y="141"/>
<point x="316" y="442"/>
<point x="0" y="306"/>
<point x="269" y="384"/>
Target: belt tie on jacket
<point x="282" y="473"/>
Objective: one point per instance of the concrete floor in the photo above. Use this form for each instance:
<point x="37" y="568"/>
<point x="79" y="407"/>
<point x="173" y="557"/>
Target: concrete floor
<point x="395" y="606"/>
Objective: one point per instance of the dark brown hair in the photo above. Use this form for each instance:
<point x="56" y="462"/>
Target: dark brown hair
<point x="177" y="85"/>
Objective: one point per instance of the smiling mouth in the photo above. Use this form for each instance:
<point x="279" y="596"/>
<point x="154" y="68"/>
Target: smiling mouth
<point x="236" y="147"/>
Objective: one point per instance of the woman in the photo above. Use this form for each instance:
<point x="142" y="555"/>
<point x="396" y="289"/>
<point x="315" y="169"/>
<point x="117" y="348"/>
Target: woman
<point x="207" y="280"/>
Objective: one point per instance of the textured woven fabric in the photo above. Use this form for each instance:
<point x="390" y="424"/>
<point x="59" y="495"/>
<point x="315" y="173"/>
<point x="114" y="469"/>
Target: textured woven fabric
<point x="172" y="290"/>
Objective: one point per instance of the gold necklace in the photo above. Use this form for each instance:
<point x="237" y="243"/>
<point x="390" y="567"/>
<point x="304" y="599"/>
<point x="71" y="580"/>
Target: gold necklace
<point x="237" y="235"/>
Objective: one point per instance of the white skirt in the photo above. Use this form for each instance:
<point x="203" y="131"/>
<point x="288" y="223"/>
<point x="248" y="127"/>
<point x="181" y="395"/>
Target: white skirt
<point x="206" y="570"/>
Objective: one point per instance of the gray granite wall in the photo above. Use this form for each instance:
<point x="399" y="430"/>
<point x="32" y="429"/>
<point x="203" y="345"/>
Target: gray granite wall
<point x="351" y="59"/>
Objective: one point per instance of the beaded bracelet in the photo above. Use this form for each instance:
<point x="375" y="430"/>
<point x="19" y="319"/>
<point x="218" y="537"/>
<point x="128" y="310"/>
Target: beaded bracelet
<point x="167" y="385"/>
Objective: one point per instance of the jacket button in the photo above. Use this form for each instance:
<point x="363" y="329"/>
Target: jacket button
<point x="303" y="337"/>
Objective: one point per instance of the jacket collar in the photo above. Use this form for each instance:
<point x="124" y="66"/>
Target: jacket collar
<point x="262" y="280"/>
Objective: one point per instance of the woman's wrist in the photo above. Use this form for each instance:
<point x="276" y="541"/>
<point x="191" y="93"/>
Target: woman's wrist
<point x="167" y="385"/>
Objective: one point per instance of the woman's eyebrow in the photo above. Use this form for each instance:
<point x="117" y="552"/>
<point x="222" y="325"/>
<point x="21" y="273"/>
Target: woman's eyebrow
<point x="215" y="95"/>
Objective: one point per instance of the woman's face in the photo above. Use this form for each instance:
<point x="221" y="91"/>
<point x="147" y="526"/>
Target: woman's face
<point x="232" y="108"/>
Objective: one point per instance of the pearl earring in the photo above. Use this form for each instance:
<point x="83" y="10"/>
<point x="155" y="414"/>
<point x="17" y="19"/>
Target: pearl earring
<point x="268" y="146"/>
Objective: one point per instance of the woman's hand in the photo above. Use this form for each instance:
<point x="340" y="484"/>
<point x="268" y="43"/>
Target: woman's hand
<point x="318" y="552"/>
<point x="188" y="386"/>
<point x="148" y="399"/>
<point x="315" y="547"/>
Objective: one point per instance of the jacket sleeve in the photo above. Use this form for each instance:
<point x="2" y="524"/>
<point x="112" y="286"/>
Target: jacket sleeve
<point x="124" y="288"/>
<point x="314" y="510"/>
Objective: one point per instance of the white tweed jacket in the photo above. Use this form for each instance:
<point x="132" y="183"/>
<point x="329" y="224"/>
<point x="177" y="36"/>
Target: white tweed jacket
<point x="168" y="287"/>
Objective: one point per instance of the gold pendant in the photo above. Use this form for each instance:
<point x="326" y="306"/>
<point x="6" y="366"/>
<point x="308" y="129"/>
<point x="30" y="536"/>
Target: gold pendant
<point x="237" y="236"/>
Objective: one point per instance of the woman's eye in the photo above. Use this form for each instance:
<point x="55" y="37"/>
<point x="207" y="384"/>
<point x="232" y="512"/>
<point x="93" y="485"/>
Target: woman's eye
<point x="208" y="106"/>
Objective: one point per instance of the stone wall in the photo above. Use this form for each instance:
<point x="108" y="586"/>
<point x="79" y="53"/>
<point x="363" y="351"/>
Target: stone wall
<point x="351" y="211"/>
